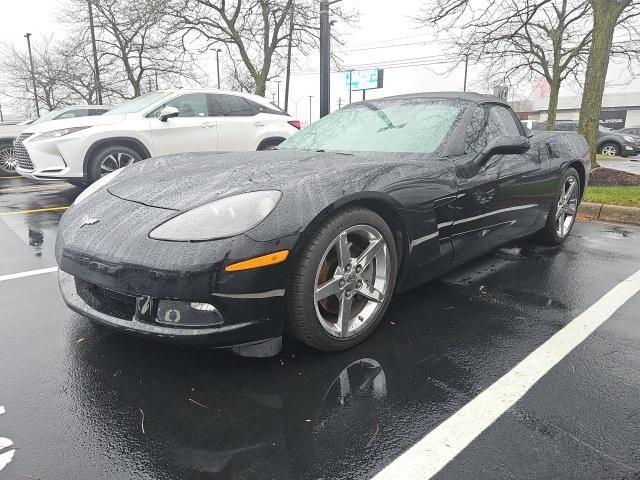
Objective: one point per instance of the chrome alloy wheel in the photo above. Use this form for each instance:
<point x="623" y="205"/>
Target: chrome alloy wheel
<point x="567" y="206"/>
<point x="114" y="161"/>
<point x="609" y="150"/>
<point x="352" y="281"/>
<point x="8" y="160"/>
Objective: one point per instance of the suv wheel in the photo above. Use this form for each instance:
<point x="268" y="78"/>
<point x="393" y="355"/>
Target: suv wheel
<point x="109" y="159"/>
<point x="610" y="149"/>
<point x="8" y="159"/>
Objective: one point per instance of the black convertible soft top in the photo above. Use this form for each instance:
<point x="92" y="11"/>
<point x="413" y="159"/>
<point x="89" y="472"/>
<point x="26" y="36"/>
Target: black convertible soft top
<point x="464" y="96"/>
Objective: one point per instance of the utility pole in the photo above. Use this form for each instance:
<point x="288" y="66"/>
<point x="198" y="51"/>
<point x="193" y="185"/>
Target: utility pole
<point x="33" y="75"/>
<point x="289" y="48"/>
<point x="1" y="115"/>
<point x="466" y="66"/>
<point x="157" y="81"/>
<point x="350" y="78"/>
<point x="325" y="57"/>
<point x="218" y="50"/>
<point x="278" y="82"/>
<point x="95" y="54"/>
<point x="310" y="97"/>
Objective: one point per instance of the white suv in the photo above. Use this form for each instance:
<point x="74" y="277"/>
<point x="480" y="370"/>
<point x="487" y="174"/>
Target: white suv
<point x="8" y="133"/>
<point x="84" y="149"/>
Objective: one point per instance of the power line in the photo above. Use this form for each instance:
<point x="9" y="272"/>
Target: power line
<point x="389" y="40"/>
<point x="385" y="46"/>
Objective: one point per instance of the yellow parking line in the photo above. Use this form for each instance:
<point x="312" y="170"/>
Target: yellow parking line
<point x="14" y="177"/>
<point x="36" y="210"/>
<point x="30" y="188"/>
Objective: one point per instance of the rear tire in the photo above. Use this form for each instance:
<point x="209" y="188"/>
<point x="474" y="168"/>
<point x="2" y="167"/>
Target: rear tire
<point x="610" y="149"/>
<point x="108" y="159"/>
<point x="77" y="182"/>
<point x="270" y="144"/>
<point x="361" y="276"/>
<point x="564" y="209"/>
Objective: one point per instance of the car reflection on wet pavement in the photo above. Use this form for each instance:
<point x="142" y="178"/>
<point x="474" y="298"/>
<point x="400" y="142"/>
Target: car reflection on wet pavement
<point x="86" y="402"/>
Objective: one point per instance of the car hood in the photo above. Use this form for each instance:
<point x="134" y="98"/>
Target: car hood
<point x="90" y="121"/>
<point x="10" y="131"/>
<point x="183" y="181"/>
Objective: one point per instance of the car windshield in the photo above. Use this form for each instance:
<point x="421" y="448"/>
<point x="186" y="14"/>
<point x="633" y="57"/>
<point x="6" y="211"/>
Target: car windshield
<point x="47" y="116"/>
<point x="404" y="125"/>
<point x="137" y="104"/>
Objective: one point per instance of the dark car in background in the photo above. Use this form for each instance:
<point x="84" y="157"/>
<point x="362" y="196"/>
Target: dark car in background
<point x="610" y="142"/>
<point x="635" y="131"/>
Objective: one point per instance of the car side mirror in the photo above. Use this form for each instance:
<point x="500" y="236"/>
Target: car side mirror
<point x="168" y="112"/>
<point x="503" y="145"/>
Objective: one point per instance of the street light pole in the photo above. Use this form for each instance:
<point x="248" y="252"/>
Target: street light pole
<point x="278" y="82"/>
<point x="95" y="54"/>
<point x="466" y="66"/>
<point x="310" y="97"/>
<point x="325" y="58"/>
<point x="33" y="75"/>
<point x="218" y="65"/>
<point x="289" y="48"/>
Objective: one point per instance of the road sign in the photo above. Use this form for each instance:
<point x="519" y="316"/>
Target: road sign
<point x="364" y="79"/>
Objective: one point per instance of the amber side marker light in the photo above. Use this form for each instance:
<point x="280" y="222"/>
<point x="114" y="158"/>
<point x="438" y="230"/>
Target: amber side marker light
<point x="262" y="261"/>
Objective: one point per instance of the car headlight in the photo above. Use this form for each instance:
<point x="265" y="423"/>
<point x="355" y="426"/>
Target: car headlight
<point x="629" y="139"/>
<point x="223" y="218"/>
<point x="97" y="185"/>
<point x="57" y="133"/>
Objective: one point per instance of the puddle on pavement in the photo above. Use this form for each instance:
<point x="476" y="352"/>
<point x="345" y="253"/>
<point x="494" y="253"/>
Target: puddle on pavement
<point x="617" y="233"/>
<point x="533" y="298"/>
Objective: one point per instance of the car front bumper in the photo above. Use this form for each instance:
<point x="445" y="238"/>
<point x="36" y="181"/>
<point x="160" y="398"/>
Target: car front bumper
<point x="630" y="150"/>
<point x="244" y="320"/>
<point x="54" y="159"/>
<point x="114" y="256"/>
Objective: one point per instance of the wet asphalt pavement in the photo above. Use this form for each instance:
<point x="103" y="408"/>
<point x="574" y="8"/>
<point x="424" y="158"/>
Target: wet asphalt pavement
<point x="83" y="402"/>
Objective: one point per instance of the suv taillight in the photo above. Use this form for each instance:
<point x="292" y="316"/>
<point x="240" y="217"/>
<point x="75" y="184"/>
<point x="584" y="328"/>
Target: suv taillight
<point x="294" y="123"/>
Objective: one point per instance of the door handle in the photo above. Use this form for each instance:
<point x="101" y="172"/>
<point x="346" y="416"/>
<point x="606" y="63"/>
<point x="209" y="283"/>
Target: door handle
<point x="260" y="124"/>
<point x="208" y="125"/>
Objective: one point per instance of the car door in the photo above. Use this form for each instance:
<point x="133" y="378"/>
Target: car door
<point x="239" y="124"/>
<point x="505" y="197"/>
<point x="193" y="130"/>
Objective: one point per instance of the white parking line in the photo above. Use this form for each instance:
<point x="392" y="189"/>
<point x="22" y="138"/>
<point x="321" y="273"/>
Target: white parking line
<point x="30" y="273"/>
<point x="447" y="440"/>
<point x="5" y="457"/>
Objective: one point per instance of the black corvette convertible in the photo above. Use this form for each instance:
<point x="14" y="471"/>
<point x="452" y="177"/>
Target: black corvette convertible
<point x="233" y="249"/>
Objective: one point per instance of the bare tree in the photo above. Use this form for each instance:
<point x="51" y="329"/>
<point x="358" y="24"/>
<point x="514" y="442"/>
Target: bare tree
<point x="48" y="69"/>
<point x="517" y="40"/>
<point x="138" y="39"/>
<point x="255" y="31"/>
<point x="607" y="14"/>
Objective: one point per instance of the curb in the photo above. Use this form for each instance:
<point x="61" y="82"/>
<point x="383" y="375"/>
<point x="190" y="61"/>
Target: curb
<point x="609" y="213"/>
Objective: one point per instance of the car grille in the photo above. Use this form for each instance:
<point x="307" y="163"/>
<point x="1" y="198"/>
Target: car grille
<point x="109" y="302"/>
<point x="24" y="161"/>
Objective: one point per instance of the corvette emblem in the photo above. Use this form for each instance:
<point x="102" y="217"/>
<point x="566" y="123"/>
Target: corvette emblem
<point x="88" y="221"/>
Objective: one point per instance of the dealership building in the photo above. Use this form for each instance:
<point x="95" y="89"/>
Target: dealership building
<point x="618" y="109"/>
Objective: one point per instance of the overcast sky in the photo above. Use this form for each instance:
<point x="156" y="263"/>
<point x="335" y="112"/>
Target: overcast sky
<point x="382" y="25"/>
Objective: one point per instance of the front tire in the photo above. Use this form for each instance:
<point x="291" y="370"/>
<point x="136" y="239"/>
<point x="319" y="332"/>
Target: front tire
<point x="8" y="160"/>
<point x="562" y="215"/>
<point x="109" y="159"/>
<point x="343" y="280"/>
